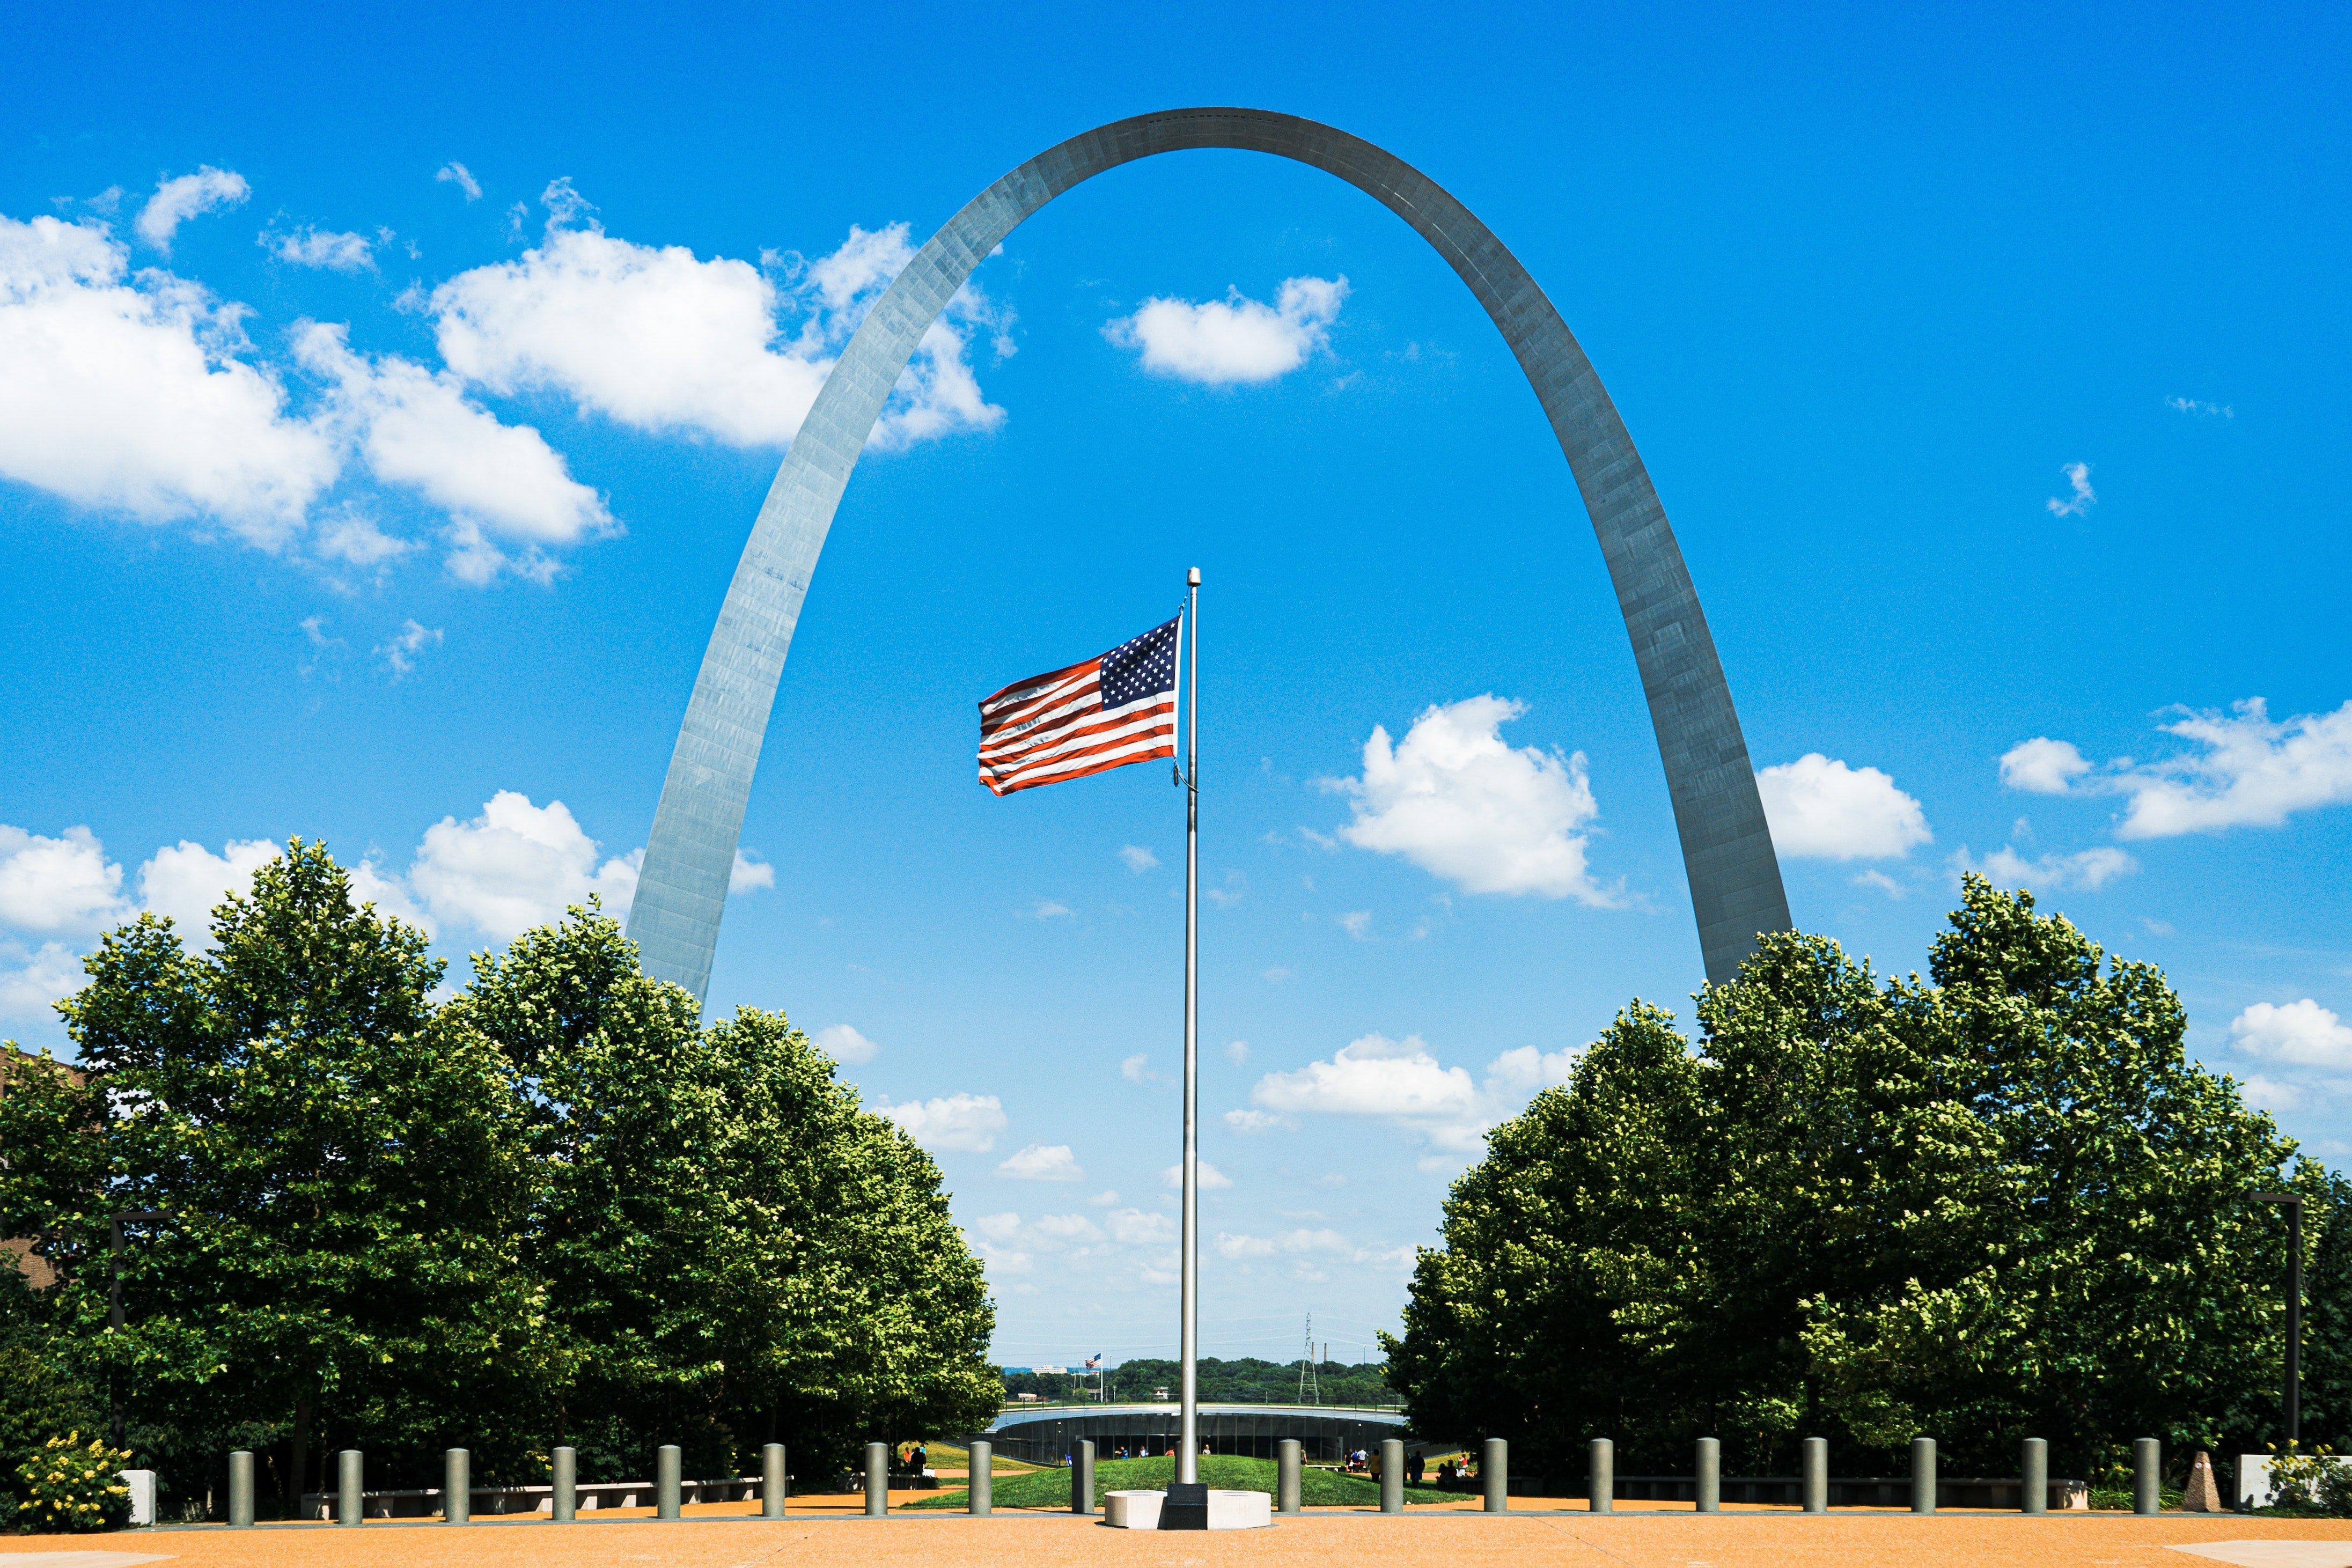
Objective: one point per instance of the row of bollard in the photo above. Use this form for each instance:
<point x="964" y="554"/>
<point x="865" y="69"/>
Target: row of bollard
<point x="1494" y="1474"/>
<point x="1813" y="1486"/>
<point x="457" y="1483"/>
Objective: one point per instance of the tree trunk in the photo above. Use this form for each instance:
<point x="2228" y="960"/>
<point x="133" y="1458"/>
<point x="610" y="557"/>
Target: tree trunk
<point x="297" y="1469"/>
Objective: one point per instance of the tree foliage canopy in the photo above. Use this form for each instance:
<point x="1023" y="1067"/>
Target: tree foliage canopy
<point x="553" y="1208"/>
<point x="1996" y="1203"/>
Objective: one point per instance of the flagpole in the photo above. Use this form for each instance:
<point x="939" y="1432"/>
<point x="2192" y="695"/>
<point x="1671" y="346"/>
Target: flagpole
<point x="1188" y="1450"/>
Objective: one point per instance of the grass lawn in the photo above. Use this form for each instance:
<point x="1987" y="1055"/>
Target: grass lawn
<point x="948" y="1457"/>
<point x="1226" y="1472"/>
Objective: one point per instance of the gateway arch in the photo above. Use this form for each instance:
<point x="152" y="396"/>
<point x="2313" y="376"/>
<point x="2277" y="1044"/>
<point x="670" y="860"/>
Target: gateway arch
<point x="1735" y="879"/>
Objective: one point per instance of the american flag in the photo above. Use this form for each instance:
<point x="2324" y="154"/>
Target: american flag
<point x="1065" y="724"/>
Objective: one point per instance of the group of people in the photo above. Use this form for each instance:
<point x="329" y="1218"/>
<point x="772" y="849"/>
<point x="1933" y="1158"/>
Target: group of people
<point x="914" y="1461"/>
<point x="1363" y="1462"/>
<point x="1142" y="1451"/>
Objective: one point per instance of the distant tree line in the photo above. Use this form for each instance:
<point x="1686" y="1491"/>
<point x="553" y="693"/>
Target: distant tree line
<point x="551" y="1208"/>
<point x="1999" y="1202"/>
<point x="1244" y="1380"/>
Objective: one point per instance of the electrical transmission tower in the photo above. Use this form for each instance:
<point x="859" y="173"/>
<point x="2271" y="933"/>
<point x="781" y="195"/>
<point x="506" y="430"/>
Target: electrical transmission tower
<point x="1310" y="1391"/>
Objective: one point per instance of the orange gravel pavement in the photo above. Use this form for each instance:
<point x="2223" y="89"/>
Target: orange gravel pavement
<point x="1441" y="1540"/>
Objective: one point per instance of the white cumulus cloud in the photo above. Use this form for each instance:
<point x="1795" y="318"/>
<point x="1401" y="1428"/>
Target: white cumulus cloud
<point x="418" y="429"/>
<point x="965" y="1122"/>
<point x="515" y="866"/>
<point x="1372" y="1076"/>
<point x="2080" y="497"/>
<point x="1458" y="801"/>
<point x="176" y="201"/>
<point x="2042" y="766"/>
<point x="1211" y="1178"/>
<point x="659" y="340"/>
<point x="1221" y="342"/>
<point x="2243" y="768"/>
<point x="33" y="981"/>
<point x="2303" y="1033"/>
<point x="185" y="881"/>
<point x="1402" y="1082"/>
<point x="2088" y="869"/>
<point x="846" y="1045"/>
<point x="1819" y="807"/>
<point x="400" y="650"/>
<point x="311" y="245"/>
<point x="1138" y="858"/>
<point x="456" y="173"/>
<point x="134" y="398"/>
<point x="62" y="883"/>
<point x="1043" y="1162"/>
<point x="2252" y="772"/>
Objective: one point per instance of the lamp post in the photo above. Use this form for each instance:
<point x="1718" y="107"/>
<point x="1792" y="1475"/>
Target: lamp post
<point x="114" y="1302"/>
<point x="2293" y="1203"/>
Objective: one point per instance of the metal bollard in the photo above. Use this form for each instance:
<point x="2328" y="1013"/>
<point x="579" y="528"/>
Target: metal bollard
<point x="1707" y="1477"/>
<point x="1495" y="1474"/>
<point x="1391" y="1475"/>
<point x="1923" y="1475"/>
<point x="457" y="1486"/>
<point x="1082" y="1478"/>
<point x="980" y="1479"/>
<point x="240" y="1488"/>
<point x="1817" y="1475"/>
<point x="2033" y="1472"/>
<point x="1600" y="1490"/>
<point x="668" y="1481"/>
<point x="878" y="1479"/>
<point x="773" y="1481"/>
<point x="1288" y="1460"/>
<point x="2147" y="1475"/>
<point x="564" y="1494"/>
<point x="347" y="1486"/>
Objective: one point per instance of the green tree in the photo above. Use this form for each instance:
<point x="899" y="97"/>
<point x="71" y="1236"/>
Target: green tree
<point x="1542" y="1319"/>
<point x="341" y="1182"/>
<point x="1994" y="1203"/>
<point x="735" y="1252"/>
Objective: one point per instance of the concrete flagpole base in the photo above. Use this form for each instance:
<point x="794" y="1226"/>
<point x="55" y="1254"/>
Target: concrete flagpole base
<point x="1172" y="1509"/>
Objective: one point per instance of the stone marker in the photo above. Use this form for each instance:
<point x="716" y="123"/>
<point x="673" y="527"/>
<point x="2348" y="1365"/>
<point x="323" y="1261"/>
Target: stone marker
<point x="349" y="1486"/>
<point x="1287" y="1455"/>
<point x="563" y="1492"/>
<point x="2200" y="1495"/>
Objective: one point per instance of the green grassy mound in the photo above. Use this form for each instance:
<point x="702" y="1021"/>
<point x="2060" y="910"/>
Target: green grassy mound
<point x="1225" y="1472"/>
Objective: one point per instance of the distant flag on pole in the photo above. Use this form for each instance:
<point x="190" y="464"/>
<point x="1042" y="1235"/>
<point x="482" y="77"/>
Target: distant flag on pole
<point x="1106" y="713"/>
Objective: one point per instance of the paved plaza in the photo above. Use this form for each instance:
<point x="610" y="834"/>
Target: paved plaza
<point x="1440" y="1538"/>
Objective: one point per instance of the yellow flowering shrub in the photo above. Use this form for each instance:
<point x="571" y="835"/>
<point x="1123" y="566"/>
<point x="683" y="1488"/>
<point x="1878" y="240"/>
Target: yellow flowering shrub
<point x="68" y="1485"/>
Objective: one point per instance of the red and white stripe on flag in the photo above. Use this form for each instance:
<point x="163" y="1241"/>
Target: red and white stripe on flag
<point x="1106" y="713"/>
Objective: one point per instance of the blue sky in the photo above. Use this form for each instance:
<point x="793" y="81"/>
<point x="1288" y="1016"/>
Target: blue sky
<point x="384" y="402"/>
